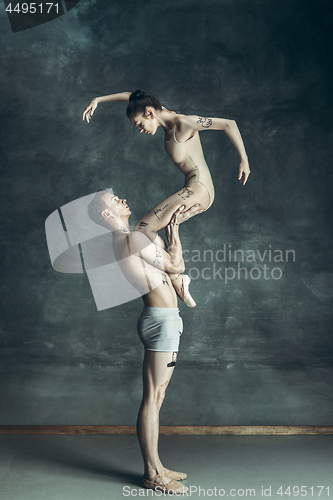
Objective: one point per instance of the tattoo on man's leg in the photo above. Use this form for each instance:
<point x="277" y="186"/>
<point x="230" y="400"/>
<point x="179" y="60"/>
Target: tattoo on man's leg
<point x="174" y="359"/>
<point x="159" y="210"/>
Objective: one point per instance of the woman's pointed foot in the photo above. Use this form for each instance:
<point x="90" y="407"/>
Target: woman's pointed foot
<point x="181" y="285"/>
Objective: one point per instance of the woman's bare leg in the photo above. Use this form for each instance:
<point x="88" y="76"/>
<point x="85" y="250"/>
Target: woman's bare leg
<point x="192" y="194"/>
<point x="156" y="377"/>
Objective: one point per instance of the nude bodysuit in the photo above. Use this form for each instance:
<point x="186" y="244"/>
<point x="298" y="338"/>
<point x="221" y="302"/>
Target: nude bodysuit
<point x="188" y="157"/>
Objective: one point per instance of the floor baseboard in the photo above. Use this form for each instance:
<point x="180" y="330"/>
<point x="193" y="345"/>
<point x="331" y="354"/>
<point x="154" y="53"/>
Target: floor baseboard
<point x="178" y="430"/>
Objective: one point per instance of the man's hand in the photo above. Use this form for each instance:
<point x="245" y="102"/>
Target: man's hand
<point x="180" y="215"/>
<point x="244" y="171"/>
<point x="89" y="111"/>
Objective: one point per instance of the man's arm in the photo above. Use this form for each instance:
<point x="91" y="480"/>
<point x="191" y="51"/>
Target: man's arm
<point x="174" y="245"/>
<point x="170" y="261"/>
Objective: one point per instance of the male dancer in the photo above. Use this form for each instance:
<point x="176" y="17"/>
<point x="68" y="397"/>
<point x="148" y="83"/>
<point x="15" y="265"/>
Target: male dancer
<point x="146" y="265"/>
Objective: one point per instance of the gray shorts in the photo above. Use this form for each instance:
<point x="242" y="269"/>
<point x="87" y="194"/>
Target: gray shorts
<point x="160" y="328"/>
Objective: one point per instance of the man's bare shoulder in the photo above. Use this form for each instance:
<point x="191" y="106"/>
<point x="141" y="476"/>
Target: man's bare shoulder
<point x="139" y="241"/>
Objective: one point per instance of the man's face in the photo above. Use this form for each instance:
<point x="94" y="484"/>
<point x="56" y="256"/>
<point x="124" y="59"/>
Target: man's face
<point x="117" y="206"/>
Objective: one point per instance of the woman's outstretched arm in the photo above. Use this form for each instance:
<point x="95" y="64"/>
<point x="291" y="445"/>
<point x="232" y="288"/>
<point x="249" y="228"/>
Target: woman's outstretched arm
<point x="119" y="97"/>
<point x="186" y="125"/>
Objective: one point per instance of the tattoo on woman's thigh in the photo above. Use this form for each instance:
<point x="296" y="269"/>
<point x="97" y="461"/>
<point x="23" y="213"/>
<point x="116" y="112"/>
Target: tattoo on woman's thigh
<point x="186" y="193"/>
<point x="159" y="210"/>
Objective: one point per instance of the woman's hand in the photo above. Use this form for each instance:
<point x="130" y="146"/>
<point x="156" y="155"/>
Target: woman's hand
<point x="89" y="111"/>
<point x="244" y="171"/>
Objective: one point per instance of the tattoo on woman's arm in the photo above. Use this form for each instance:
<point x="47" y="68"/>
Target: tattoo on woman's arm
<point x="205" y="122"/>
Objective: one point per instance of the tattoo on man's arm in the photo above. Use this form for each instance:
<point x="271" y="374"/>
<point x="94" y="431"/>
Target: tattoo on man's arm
<point x="164" y="279"/>
<point x="158" y="257"/>
<point x="205" y="122"/>
<point x="159" y="210"/>
<point x="186" y="193"/>
<point x="142" y="225"/>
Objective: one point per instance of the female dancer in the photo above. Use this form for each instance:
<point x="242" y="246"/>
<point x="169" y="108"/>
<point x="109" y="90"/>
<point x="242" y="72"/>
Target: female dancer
<point x="182" y="143"/>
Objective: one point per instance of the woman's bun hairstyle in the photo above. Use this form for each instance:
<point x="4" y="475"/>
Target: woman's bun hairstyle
<point x="138" y="94"/>
<point x="138" y="101"/>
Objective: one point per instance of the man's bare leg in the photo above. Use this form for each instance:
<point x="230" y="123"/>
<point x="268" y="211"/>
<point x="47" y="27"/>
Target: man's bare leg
<point x="157" y="371"/>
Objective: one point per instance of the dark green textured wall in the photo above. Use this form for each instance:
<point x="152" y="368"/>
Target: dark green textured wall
<point x="265" y="64"/>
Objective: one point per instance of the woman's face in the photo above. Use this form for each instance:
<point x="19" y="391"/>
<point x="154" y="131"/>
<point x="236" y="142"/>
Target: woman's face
<point x="146" y="123"/>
